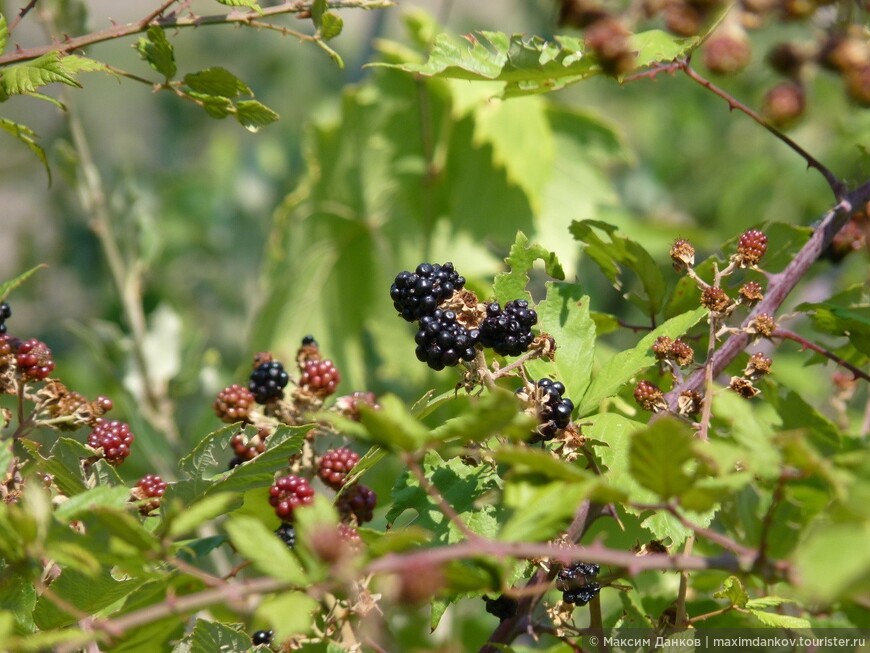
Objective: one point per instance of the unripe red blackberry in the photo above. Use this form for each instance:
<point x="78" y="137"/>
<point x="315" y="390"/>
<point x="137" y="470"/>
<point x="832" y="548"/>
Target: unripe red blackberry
<point x="34" y="360"/>
<point x="289" y="493"/>
<point x="349" y="405"/>
<point x="233" y="404"/>
<point x="682" y="353"/>
<point x="248" y="449"/>
<point x="784" y="104"/>
<point x="320" y="377"/>
<point x="858" y="85"/>
<point x="335" y="465"/>
<point x="650" y="397"/>
<point x="727" y="53"/>
<point x="350" y="535"/>
<point x="608" y="38"/>
<point x="751" y="292"/>
<point x="682" y="254"/>
<point x="662" y="347"/>
<point x="715" y="299"/>
<point x="113" y="439"/>
<point x="357" y="504"/>
<point x="150" y="487"/>
<point x="268" y="381"/>
<point x="751" y="246"/>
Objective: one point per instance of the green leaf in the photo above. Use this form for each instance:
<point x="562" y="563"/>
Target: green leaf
<point x="27" y="77"/>
<point x="622" y="367"/>
<point x="288" y="614"/>
<point x="80" y="504"/>
<point x="216" y="106"/>
<point x="512" y="285"/>
<point x="209" y="636"/>
<point x="27" y="136"/>
<point x="656" y="45"/>
<point x="156" y="49"/>
<point x="525" y="459"/>
<point x="826" y="576"/>
<point x="4" y="33"/>
<point x="369" y="459"/>
<point x="541" y="511"/>
<point x="616" y="251"/>
<point x="564" y="314"/>
<point x="264" y="549"/>
<point x="216" y="81"/>
<point x="780" y="620"/>
<point x="658" y="456"/>
<point x="318" y="9"/>
<point x="495" y="412"/>
<point x="846" y="314"/>
<point x="767" y="602"/>
<point x="393" y="426"/>
<point x="733" y="590"/>
<point x="8" y="286"/>
<point x="200" y="512"/>
<point x="253" y="115"/>
<point x="207" y="454"/>
<point x="331" y="26"/>
<point x="250" y="4"/>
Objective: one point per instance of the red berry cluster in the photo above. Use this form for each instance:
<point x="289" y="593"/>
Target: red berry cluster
<point x="233" y="404"/>
<point x="319" y="377"/>
<point x="33" y="358"/>
<point x="113" y="438"/>
<point x="289" y="493"/>
<point x="650" y="397"/>
<point x="349" y="405"/>
<point x="248" y="449"/>
<point x="751" y="247"/>
<point x="150" y="487"/>
<point x="335" y="465"/>
<point x="357" y="503"/>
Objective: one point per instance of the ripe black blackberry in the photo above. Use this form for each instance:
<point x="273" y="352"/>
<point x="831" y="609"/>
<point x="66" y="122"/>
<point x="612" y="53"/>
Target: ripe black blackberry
<point x="443" y="342"/>
<point x="574" y="581"/>
<point x="5" y="314"/>
<point x="504" y="607"/>
<point x="262" y="637"/>
<point x="113" y="439"/>
<point x="554" y="411"/>
<point x="581" y="595"/>
<point x="335" y="465"/>
<point x="289" y="493"/>
<point x="287" y="534"/>
<point x="508" y="331"/>
<point x="320" y="377"/>
<point x="357" y="502"/>
<point x="268" y="381"/>
<point x="416" y="294"/>
<point x="151" y="487"/>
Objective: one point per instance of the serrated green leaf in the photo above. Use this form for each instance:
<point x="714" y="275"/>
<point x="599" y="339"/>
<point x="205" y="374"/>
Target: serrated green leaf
<point x="216" y="106"/>
<point x="525" y="459"/>
<point x="250" y="4"/>
<point x="564" y="314"/>
<point x="103" y="495"/>
<point x="780" y="620"/>
<point x="18" y="596"/>
<point x="216" y="81"/>
<point x="4" y="33"/>
<point x="264" y="549"/>
<point x="318" y="9"/>
<point x="369" y="459"/>
<point x="656" y="45"/>
<point x="205" y="455"/>
<point x="210" y="636"/>
<point x="8" y="286"/>
<point x="200" y="512"/>
<point x="733" y="590"/>
<point x="28" y="137"/>
<point x="27" y="77"/>
<point x="616" y="252"/>
<point x="512" y="285"/>
<point x="494" y="413"/>
<point x="767" y="602"/>
<point x="393" y="426"/>
<point x="156" y="49"/>
<point x="123" y="526"/>
<point x="253" y="115"/>
<point x="658" y="456"/>
<point x="541" y="512"/>
<point x="331" y="26"/>
<point x="69" y="554"/>
<point x="622" y="367"/>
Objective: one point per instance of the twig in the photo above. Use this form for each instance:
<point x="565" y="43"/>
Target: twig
<point x="780" y="285"/>
<point x="21" y="14"/>
<point x="767" y="520"/>
<point x="445" y="507"/>
<point x="157" y="12"/>
<point x="785" y="334"/>
<point x="834" y="182"/>
<point x="682" y="619"/>
<point x="708" y="615"/>
<point x="237" y="17"/>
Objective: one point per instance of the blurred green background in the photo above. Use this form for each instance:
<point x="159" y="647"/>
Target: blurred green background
<point x="250" y="241"/>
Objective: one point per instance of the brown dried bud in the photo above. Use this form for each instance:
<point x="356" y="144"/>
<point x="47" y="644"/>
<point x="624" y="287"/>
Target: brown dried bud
<point x="762" y="325"/>
<point x="682" y="254"/>
<point x="750" y="292"/>
<point x="689" y="403"/>
<point x="743" y="387"/>
<point x="683" y="19"/>
<point x="682" y="353"/>
<point x="715" y="299"/>
<point x="349" y="405"/>
<point x="858" y="85"/>
<point x="650" y="397"/>
<point x="262" y="357"/>
<point x="580" y="13"/>
<point x="758" y="366"/>
<point x="851" y="238"/>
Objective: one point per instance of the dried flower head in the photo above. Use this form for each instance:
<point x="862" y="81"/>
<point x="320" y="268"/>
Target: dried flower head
<point x="743" y="387"/>
<point x="716" y="299"/>
<point x="751" y="292"/>
<point x="762" y="325"/>
<point x="758" y="366"/>
<point x="682" y="254"/>
<point x="650" y="397"/>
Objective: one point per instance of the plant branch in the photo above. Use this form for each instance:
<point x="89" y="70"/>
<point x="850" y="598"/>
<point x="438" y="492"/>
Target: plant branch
<point x="780" y="285"/>
<point x="174" y="21"/>
<point x="21" y="14"/>
<point x="433" y="492"/>
<point x="785" y="334"/>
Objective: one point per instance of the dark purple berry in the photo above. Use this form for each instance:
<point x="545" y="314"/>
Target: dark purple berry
<point x="508" y="331"/>
<point x="5" y="313"/>
<point x="443" y="342"/>
<point x="357" y="502"/>
<point x="416" y="294"/>
<point x="268" y="381"/>
<point x="581" y="595"/>
<point x="262" y="637"/>
<point x="287" y="534"/>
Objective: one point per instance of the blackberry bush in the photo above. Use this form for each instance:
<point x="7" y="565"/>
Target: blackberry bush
<point x="268" y="381"/>
<point x="443" y="342"/>
<point x="508" y="331"/>
<point x="417" y="294"/>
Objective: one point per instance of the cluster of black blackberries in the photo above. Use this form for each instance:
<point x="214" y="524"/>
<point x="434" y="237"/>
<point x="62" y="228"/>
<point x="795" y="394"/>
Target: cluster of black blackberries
<point x="508" y="331"/>
<point x="443" y="342"/>
<point x="268" y="381"/>
<point x="555" y="412"/>
<point x="5" y="314"/>
<point x="574" y="581"/>
<point x="417" y="294"/>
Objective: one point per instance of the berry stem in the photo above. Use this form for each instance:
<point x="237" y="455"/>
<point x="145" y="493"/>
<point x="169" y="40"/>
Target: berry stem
<point x="436" y="495"/>
<point x="682" y="619"/>
<point x="785" y="334"/>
